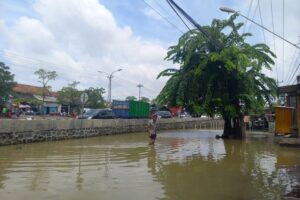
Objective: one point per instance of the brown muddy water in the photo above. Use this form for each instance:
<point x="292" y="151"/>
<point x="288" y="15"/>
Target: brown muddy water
<point x="182" y="165"/>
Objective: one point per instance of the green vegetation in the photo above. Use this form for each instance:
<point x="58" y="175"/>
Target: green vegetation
<point x="95" y="99"/>
<point x="6" y="83"/>
<point x="219" y="74"/>
<point x="131" y="98"/>
<point x="44" y="77"/>
<point x="70" y="95"/>
<point x="145" y="99"/>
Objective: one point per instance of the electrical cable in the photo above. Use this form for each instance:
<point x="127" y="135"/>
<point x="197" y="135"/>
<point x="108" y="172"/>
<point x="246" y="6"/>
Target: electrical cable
<point x="293" y="78"/>
<point x="23" y="61"/>
<point x="178" y="15"/>
<point x="274" y="43"/>
<point x="253" y="16"/>
<point x="295" y="71"/>
<point x="261" y="21"/>
<point x="290" y="69"/>
<point x="172" y="14"/>
<point x="163" y="17"/>
<point x="249" y="9"/>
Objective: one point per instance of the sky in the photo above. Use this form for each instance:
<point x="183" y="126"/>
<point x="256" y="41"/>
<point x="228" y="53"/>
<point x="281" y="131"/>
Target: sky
<point x="79" y="38"/>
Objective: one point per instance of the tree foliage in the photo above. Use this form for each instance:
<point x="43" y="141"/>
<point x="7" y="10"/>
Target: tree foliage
<point x="131" y="98"/>
<point x="44" y="78"/>
<point x="95" y="98"/>
<point x="70" y="95"/>
<point x="6" y="83"/>
<point x="219" y="74"/>
<point x="145" y="99"/>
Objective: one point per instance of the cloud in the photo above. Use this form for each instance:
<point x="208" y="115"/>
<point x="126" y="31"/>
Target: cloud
<point x="78" y="38"/>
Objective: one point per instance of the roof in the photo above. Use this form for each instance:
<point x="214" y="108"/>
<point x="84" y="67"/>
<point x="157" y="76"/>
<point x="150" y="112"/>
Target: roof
<point x="47" y="98"/>
<point x="30" y="89"/>
<point x="290" y="89"/>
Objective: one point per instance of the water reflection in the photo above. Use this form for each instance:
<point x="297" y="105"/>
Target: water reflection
<point x="181" y="165"/>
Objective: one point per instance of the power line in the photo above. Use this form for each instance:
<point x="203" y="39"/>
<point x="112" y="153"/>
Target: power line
<point x="167" y="11"/>
<point x="291" y="66"/>
<point x="11" y="62"/>
<point x="253" y="16"/>
<point x="135" y="83"/>
<point x="189" y="19"/>
<point x="24" y="61"/>
<point x="21" y="60"/>
<point x="178" y="15"/>
<point x="261" y="21"/>
<point x="295" y="69"/>
<point x="274" y="43"/>
<point x="163" y="17"/>
<point x="290" y="69"/>
<point x="249" y="9"/>
<point x="295" y="73"/>
<point x="31" y="59"/>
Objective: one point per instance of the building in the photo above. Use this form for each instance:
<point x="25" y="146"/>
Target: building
<point x="31" y="96"/>
<point x="291" y="95"/>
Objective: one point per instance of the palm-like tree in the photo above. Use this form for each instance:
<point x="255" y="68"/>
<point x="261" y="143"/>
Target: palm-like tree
<point x="220" y="73"/>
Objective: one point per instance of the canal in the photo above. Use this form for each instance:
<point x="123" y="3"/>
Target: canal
<point x="182" y="165"/>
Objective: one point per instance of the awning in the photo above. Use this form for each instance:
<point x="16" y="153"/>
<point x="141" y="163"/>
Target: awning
<point x="24" y="106"/>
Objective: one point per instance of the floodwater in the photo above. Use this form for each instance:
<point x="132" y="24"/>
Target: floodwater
<point x="181" y="165"/>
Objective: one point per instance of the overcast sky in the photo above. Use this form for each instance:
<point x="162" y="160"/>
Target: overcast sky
<point x="78" y="38"/>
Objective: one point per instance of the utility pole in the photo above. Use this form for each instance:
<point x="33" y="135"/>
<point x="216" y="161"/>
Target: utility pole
<point x="140" y="87"/>
<point x="188" y="17"/>
<point x="109" y="76"/>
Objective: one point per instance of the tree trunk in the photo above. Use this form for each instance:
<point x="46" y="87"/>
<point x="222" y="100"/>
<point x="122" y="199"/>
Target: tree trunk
<point x="233" y="128"/>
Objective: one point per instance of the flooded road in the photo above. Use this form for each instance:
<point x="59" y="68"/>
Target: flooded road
<point x="182" y="165"/>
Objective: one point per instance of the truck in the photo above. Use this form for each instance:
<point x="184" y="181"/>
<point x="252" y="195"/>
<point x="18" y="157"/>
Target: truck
<point x="130" y="109"/>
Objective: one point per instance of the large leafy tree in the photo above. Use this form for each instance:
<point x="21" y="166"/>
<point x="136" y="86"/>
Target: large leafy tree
<point x="219" y="73"/>
<point x="6" y="83"/>
<point x="70" y="95"/>
<point x="95" y="97"/>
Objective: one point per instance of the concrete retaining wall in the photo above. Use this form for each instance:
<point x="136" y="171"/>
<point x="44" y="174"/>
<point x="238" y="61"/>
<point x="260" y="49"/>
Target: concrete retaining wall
<point x="27" y="131"/>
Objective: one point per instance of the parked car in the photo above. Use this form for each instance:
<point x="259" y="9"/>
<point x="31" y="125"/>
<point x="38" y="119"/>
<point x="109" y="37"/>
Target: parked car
<point x="184" y="115"/>
<point x="97" y="114"/>
<point x="30" y="112"/>
<point x="164" y="114"/>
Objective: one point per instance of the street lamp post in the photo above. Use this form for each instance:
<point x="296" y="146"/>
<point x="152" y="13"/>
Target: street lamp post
<point x="140" y="86"/>
<point x="109" y="76"/>
<point x="229" y="10"/>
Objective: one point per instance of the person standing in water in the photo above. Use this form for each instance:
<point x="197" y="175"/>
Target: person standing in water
<point x="152" y="128"/>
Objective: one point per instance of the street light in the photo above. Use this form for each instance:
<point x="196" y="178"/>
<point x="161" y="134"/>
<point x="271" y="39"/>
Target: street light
<point x="140" y="86"/>
<point x="229" y="10"/>
<point x="109" y="76"/>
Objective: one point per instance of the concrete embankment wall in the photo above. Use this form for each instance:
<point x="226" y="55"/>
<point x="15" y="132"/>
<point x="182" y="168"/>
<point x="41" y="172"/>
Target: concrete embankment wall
<point x="27" y="131"/>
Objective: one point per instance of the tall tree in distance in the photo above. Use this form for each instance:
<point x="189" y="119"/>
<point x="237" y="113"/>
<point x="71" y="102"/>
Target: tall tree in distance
<point x="145" y="99"/>
<point x="95" y="97"/>
<point x="131" y="98"/>
<point x="44" y="78"/>
<point x="70" y="95"/>
<point x="6" y="83"/>
<point x="219" y="74"/>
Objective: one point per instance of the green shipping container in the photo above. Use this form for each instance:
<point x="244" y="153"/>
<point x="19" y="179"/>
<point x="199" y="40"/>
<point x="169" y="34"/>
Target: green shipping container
<point x="138" y="109"/>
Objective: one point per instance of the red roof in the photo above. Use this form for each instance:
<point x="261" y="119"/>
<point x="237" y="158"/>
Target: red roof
<point x="30" y="89"/>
